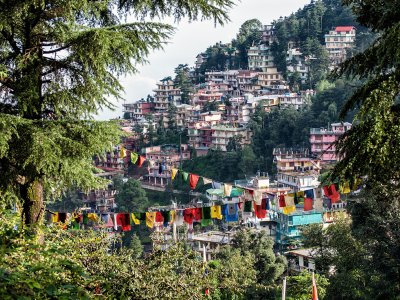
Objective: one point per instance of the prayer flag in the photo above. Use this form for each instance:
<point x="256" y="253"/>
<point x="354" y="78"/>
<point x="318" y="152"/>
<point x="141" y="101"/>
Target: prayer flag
<point x="93" y="217"/>
<point x="248" y="206"/>
<point x="173" y="173"/>
<point x="227" y="190"/>
<point x="197" y="214"/>
<point x="282" y="200"/>
<point x="123" y="220"/>
<point x="136" y="218"/>
<point x="289" y="209"/>
<point x="185" y="176"/>
<point x="216" y="212"/>
<point x="134" y="157"/>
<point x="345" y="188"/>
<point x="141" y="160"/>
<point x="308" y="204"/>
<point x="193" y="181"/>
<point x="150" y="219"/>
<point x="289" y="200"/>
<point x="188" y="215"/>
<point x="206" y="181"/>
<point x="159" y="217"/>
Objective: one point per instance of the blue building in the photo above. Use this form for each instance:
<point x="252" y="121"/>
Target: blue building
<point x="288" y="227"/>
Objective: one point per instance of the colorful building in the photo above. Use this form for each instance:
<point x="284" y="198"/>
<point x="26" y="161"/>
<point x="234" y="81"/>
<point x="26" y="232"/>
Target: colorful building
<point x="338" y="41"/>
<point x="322" y="141"/>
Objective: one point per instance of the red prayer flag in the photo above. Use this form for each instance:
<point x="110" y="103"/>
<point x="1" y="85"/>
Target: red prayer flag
<point x="334" y="195"/>
<point x="141" y="160"/>
<point x="188" y="215"/>
<point x="282" y="202"/>
<point x="124" y="220"/>
<point x="193" y="181"/>
<point x="260" y="210"/>
<point x="308" y="204"/>
<point x="159" y="217"/>
<point x="197" y="213"/>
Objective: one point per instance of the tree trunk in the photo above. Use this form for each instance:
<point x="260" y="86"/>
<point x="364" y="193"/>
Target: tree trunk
<point x="33" y="205"/>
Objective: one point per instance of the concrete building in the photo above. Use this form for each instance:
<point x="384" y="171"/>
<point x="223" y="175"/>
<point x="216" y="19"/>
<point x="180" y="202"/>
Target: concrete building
<point x="287" y="230"/>
<point x="322" y="141"/>
<point x="165" y="94"/>
<point x="200" y="59"/>
<point x="338" y="41"/>
<point x="301" y="260"/>
<point x="138" y="110"/>
<point x="269" y="78"/>
<point x="291" y="99"/>
<point x="222" y="134"/>
<point x="268" y="34"/>
<point x="248" y="82"/>
<point x="296" y="169"/>
<point x="161" y="160"/>
<point x="260" y="58"/>
<point x="296" y="64"/>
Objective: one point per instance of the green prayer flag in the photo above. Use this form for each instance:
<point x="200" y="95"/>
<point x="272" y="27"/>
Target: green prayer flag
<point x="85" y="219"/>
<point x="206" y="222"/>
<point x="134" y="157"/>
<point x="206" y="213"/>
<point x="248" y="207"/>
<point x="185" y="176"/>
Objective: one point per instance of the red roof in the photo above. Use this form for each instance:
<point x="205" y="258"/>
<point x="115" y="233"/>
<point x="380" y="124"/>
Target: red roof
<point x="344" y="28"/>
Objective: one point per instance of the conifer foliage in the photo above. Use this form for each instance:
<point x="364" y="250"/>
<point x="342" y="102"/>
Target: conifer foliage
<point x="59" y="64"/>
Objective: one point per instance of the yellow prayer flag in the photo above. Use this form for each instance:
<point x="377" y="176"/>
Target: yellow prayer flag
<point x="135" y="220"/>
<point x="206" y="181"/>
<point x="289" y="209"/>
<point x="94" y="217"/>
<point x="216" y="212"/>
<point x="54" y="217"/>
<point x="122" y="152"/>
<point x="172" y="214"/>
<point x="345" y="188"/>
<point x="150" y="219"/>
<point x="173" y="173"/>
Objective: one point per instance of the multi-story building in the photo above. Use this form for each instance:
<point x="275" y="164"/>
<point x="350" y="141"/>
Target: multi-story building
<point x="323" y="141"/>
<point x="228" y="77"/>
<point x="222" y="134"/>
<point x="200" y="59"/>
<point x="210" y="93"/>
<point x="248" y="82"/>
<point x="288" y="227"/>
<point x="112" y="161"/>
<point x="269" y="78"/>
<point x="291" y="99"/>
<point x="296" y="64"/>
<point x="268" y="34"/>
<point x="161" y="160"/>
<point x="165" y="94"/>
<point x="296" y="169"/>
<point x="338" y="41"/>
<point x="260" y="58"/>
<point x="102" y="200"/>
<point x="138" y="110"/>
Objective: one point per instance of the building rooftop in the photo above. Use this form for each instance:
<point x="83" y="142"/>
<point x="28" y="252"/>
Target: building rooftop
<point x="213" y="237"/>
<point x="344" y="28"/>
<point x="309" y="253"/>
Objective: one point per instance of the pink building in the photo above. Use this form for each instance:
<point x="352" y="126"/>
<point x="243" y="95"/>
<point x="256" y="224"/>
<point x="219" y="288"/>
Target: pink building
<point x="322" y="141"/>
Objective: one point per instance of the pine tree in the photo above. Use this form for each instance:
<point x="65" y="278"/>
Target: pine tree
<point x="59" y="64"/>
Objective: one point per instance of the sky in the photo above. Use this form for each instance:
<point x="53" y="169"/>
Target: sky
<point x="191" y="39"/>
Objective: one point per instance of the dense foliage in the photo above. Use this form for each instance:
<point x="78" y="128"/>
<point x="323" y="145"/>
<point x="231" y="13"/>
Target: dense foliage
<point x="59" y="64"/>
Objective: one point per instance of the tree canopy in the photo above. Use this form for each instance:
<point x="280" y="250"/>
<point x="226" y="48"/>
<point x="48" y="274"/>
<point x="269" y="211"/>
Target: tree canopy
<point x="59" y="64"/>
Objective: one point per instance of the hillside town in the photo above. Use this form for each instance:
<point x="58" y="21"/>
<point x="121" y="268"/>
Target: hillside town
<point x="215" y="115"/>
<point x="265" y="167"/>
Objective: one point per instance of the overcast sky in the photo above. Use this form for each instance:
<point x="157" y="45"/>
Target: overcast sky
<point x="191" y="39"/>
